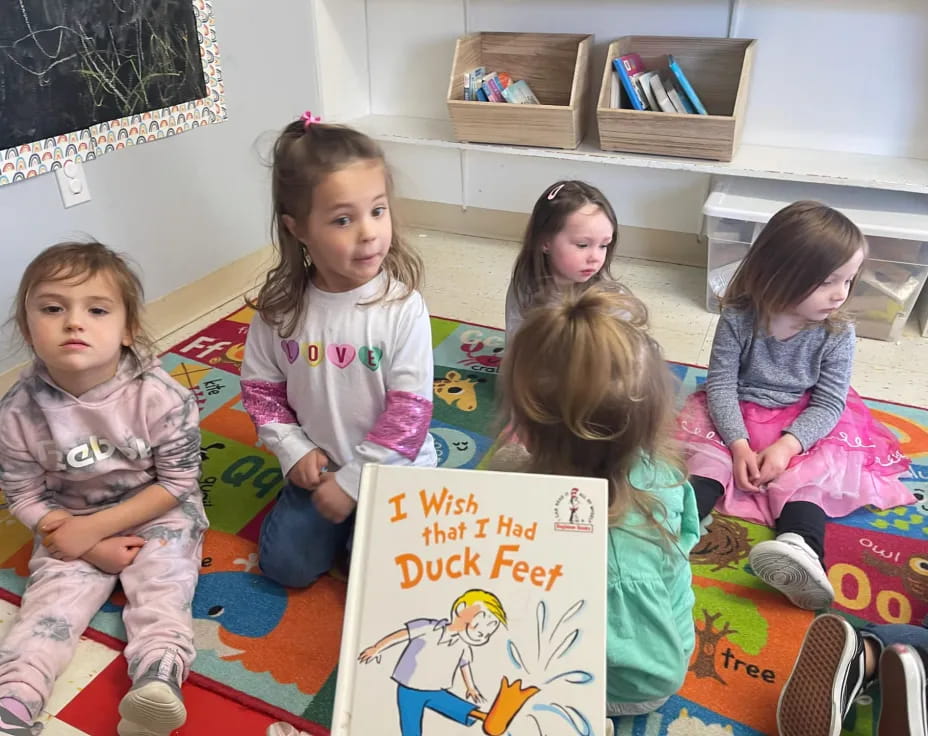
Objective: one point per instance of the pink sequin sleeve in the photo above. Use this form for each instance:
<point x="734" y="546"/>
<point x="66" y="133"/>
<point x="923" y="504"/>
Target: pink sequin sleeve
<point x="266" y="402"/>
<point x="403" y="424"/>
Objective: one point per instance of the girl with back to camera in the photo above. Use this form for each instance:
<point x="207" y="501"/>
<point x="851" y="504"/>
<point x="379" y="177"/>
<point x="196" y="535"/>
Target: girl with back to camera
<point x="338" y="361"/>
<point x="599" y="403"/>
<point x="778" y="434"/>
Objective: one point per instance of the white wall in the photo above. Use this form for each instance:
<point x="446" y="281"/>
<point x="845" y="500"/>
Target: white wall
<point x="850" y="75"/>
<point x="844" y="75"/>
<point x="184" y="206"/>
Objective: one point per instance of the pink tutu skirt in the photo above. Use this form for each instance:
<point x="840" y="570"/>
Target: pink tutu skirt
<point x="857" y="464"/>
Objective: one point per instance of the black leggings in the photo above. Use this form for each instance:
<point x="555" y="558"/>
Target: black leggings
<point x="799" y="517"/>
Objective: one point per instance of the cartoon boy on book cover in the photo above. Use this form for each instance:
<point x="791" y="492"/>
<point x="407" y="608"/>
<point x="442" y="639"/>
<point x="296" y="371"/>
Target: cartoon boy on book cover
<point x="435" y="650"/>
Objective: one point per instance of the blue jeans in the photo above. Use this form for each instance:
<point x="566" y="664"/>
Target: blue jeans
<point x="888" y="634"/>
<point x="296" y="544"/>
<point x="412" y="704"/>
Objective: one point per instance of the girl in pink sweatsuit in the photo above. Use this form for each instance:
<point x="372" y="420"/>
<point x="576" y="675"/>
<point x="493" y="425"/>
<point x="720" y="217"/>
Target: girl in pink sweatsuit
<point x="100" y="456"/>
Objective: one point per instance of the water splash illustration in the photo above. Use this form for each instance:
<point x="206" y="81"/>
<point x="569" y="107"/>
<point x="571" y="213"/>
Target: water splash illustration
<point x="541" y="616"/>
<point x="537" y="724"/>
<point x="564" y="647"/>
<point x="515" y="656"/>
<point x="570" y="714"/>
<point x="553" y="644"/>
<point x="568" y="614"/>
<point x="574" y="677"/>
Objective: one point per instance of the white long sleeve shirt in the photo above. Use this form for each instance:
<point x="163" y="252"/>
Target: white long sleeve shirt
<point x="354" y="380"/>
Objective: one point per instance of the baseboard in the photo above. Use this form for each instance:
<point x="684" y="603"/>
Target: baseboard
<point x="184" y="305"/>
<point x="634" y="242"/>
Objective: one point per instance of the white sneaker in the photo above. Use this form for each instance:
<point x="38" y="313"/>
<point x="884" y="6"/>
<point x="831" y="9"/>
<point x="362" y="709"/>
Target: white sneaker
<point x="788" y="564"/>
<point x="154" y="705"/>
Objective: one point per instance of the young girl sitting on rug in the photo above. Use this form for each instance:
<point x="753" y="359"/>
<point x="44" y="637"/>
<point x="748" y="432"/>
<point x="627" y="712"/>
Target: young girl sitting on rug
<point x="602" y="406"/>
<point x="570" y="239"/>
<point x="338" y="361"/>
<point x="100" y="456"/>
<point x="778" y="434"/>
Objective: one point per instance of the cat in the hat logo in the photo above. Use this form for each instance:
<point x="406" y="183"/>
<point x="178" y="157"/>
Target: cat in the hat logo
<point x="573" y="512"/>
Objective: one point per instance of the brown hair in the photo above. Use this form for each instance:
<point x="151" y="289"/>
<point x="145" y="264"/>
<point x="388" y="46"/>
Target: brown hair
<point x="83" y="261"/>
<point x="532" y="279"/>
<point x="802" y="245"/>
<point x="601" y="403"/>
<point x="303" y="156"/>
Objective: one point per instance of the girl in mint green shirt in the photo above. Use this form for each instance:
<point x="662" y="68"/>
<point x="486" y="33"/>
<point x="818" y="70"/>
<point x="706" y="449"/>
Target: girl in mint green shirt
<point x="589" y="394"/>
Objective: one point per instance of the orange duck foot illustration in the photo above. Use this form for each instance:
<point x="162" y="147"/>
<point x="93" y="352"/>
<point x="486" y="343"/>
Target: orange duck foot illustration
<point x="508" y="701"/>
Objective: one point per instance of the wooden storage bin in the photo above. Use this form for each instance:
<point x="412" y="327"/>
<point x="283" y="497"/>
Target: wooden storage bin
<point x="719" y="70"/>
<point x="555" y="65"/>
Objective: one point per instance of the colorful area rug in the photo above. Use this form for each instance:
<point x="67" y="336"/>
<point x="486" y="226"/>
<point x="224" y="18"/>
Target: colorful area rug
<point x="276" y="650"/>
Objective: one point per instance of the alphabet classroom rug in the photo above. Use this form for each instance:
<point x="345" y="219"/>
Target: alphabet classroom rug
<point x="271" y="653"/>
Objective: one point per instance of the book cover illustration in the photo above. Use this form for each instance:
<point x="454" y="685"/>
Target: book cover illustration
<point x="476" y="604"/>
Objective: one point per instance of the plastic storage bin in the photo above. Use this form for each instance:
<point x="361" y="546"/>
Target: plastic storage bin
<point x="895" y="223"/>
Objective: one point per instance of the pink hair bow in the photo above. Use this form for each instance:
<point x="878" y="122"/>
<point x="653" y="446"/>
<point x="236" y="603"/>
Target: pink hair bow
<point x="308" y="119"/>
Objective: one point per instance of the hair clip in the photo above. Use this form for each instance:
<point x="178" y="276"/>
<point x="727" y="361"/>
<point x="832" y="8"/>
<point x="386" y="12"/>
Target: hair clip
<point x="555" y="191"/>
<point x="308" y="119"/>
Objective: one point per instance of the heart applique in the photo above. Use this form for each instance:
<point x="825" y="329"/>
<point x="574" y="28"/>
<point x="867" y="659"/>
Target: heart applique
<point x="314" y="353"/>
<point x="371" y="357"/>
<point x="291" y="349"/>
<point x="340" y="355"/>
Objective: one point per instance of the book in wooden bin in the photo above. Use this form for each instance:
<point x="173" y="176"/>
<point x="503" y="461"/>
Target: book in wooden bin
<point x="476" y="605"/>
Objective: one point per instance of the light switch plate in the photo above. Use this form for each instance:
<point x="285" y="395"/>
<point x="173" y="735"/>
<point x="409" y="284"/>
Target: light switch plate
<point x="72" y="181"/>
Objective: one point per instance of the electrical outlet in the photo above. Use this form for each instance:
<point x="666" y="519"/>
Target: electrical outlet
<point x="72" y="181"/>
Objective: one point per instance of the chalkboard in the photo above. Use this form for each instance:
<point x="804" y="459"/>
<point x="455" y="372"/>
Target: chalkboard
<point x="66" y="65"/>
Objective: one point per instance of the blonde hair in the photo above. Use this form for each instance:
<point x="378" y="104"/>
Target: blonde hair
<point x="303" y="156"/>
<point x="489" y="601"/>
<point x="82" y="261"/>
<point x="532" y="278"/>
<point x="799" y="248"/>
<point x="599" y="402"/>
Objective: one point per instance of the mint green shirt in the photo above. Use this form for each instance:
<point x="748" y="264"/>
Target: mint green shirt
<point x="649" y="594"/>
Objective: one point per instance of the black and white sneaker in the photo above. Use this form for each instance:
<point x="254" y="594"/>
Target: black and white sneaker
<point x="826" y="678"/>
<point x="788" y="564"/>
<point x="904" y="710"/>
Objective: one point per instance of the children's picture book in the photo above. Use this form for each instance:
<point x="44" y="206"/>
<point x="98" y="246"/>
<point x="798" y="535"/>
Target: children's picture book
<point x="520" y="93"/>
<point x="472" y="81"/>
<point x="626" y="66"/>
<point x="639" y="88"/>
<point x="476" y="605"/>
<point x="689" y="94"/>
<point x="493" y="88"/>
<point x="675" y="97"/>
<point x="644" y="81"/>
<point x="660" y="94"/>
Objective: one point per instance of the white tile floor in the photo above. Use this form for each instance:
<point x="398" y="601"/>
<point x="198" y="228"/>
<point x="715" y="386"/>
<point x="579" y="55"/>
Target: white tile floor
<point x="466" y="278"/>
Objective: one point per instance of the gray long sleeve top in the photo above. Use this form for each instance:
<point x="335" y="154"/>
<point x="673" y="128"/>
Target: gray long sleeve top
<point x="748" y="364"/>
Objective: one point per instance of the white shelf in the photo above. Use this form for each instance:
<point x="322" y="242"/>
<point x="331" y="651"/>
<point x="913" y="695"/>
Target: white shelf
<point x="758" y="162"/>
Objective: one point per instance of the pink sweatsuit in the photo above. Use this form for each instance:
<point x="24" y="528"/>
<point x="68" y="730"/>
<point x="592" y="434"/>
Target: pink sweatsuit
<point x="83" y="455"/>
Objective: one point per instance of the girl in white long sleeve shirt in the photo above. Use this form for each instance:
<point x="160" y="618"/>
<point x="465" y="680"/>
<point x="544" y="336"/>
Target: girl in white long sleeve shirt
<point x="338" y="361"/>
